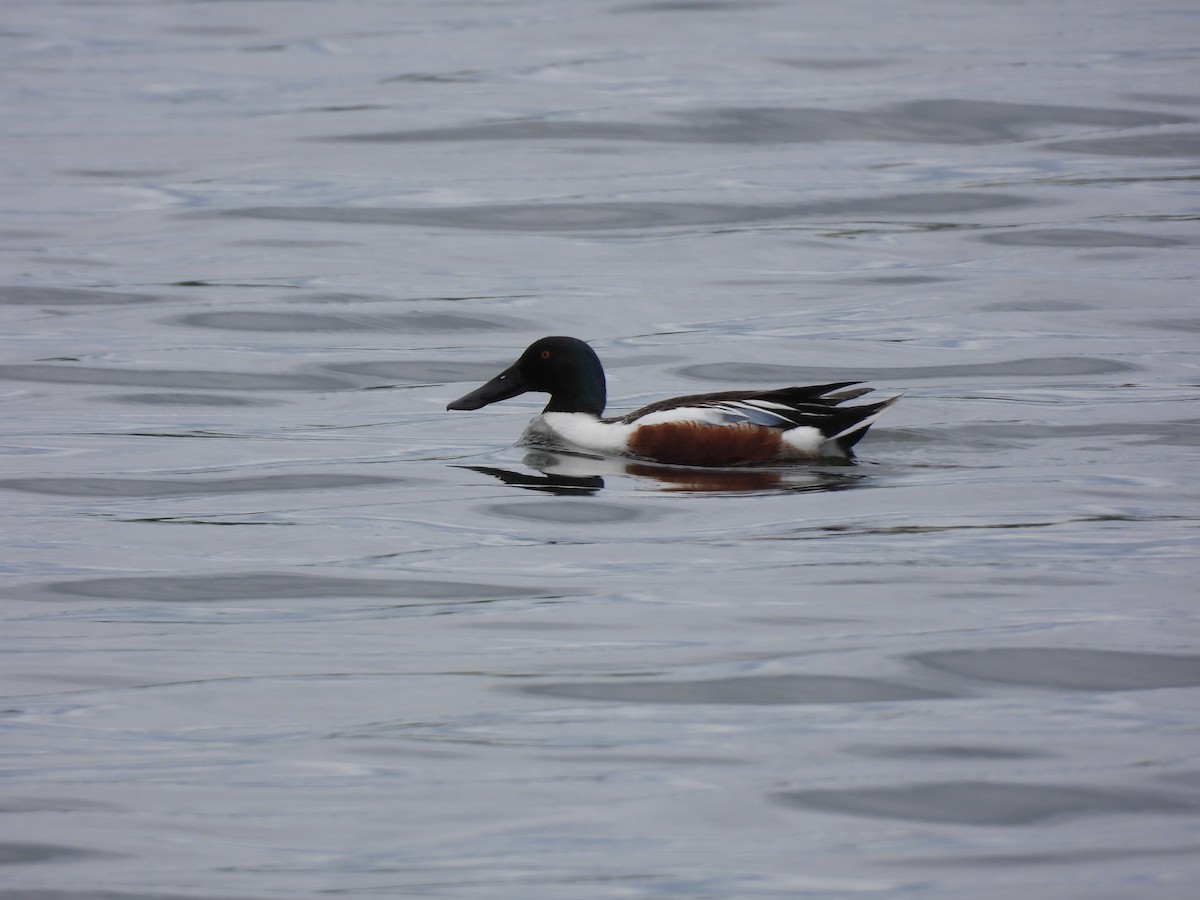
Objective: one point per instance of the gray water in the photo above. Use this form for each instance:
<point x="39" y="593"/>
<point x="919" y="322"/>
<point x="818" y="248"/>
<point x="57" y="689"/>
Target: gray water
<point x="275" y="624"/>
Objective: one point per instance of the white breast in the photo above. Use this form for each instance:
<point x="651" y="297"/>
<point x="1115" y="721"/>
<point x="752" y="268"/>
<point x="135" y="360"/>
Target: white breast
<point x="578" y="431"/>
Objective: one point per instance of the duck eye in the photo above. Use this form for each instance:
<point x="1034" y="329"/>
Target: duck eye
<point x="545" y="354"/>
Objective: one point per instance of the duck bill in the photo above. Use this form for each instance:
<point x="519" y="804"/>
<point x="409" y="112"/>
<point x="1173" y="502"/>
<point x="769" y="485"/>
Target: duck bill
<point x="504" y="386"/>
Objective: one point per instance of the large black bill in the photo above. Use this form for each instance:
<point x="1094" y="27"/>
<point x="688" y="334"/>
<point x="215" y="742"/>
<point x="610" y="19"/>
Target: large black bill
<point x="504" y="386"/>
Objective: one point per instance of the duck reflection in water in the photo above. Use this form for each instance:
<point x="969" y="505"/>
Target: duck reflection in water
<point x="571" y="474"/>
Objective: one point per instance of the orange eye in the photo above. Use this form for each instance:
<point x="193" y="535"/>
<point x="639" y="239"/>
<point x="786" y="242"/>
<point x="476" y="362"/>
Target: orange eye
<point x="545" y="354"/>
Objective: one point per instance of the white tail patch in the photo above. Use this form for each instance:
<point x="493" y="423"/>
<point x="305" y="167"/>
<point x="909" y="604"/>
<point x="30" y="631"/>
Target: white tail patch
<point x="805" y="442"/>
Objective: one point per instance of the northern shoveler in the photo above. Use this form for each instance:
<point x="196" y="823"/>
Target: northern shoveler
<point x="730" y="428"/>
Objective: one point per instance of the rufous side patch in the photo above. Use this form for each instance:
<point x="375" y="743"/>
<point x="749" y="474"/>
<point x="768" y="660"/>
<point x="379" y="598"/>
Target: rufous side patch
<point x="698" y="444"/>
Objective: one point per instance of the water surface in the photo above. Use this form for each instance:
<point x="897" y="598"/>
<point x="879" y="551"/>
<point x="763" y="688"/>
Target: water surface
<point x="276" y="624"/>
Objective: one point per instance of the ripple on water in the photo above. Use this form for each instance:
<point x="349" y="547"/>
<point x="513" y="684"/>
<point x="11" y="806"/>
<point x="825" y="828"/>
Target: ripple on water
<point x="1182" y="433"/>
<point x="985" y="802"/>
<point x="764" y="690"/>
<point x="281" y="586"/>
<point x="176" y="399"/>
<point x="943" y="752"/>
<point x="20" y="852"/>
<point x="90" y="894"/>
<point x="1191" y="325"/>
<point x="620" y="216"/>
<point x="575" y="512"/>
<point x="262" y="320"/>
<point x="52" y="804"/>
<point x="177" y="487"/>
<point x="1141" y="145"/>
<point x="934" y="121"/>
<point x="1083" y="238"/>
<point x="422" y="371"/>
<point x="1052" y="366"/>
<point x="1068" y="668"/>
<point x="24" y="295"/>
<point x="173" y="378"/>
<point x="1048" y="858"/>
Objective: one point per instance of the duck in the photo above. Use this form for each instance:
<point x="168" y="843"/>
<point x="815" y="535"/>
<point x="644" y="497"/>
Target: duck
<point x="723" y="429"/>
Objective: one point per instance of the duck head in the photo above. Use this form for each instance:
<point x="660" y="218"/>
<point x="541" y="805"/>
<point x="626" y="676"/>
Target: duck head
<point x="566" y="368"/>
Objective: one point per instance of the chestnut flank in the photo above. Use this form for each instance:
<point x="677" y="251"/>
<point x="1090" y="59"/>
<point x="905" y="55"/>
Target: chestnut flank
<point x="698" y="444"/>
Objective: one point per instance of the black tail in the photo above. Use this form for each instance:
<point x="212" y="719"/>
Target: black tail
<point x="846" y="427"/>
